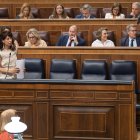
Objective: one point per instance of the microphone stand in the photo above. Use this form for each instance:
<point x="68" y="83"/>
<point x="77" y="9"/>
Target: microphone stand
<point x="8" y="65"/>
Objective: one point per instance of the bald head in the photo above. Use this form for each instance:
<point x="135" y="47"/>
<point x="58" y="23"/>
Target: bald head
<point x="73" y="30"/>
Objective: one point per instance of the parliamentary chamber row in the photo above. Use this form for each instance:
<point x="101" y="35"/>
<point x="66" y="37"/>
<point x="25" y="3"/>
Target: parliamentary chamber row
<point x="51" y="110"/>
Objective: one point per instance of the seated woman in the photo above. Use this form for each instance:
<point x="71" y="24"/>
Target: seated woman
<point x="8" y="57"/>
<point x="5" y="118"/>
<point x="25" y="12"/>
<point x="59" y="13"/>
<point x="34" y="39"/>
<point x="8" y="29"/>
<point x="115" y="12"/>
<point x="102" y="40"/>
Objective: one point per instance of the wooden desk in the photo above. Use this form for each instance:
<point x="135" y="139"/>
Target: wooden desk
<point x="58" y="110"/>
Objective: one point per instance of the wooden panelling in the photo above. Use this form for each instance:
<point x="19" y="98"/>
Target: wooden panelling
<point x="76" y="116"/>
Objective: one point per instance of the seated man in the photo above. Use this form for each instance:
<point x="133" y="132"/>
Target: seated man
<point x="135" y="10"/>
<point x="85" y="12"/>
<point x="131" y="40"/>
<point x="72" y="39"/>
<point x="138" y="22"/>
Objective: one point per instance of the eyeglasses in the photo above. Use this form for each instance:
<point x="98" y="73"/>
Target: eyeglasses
<point x="31" y="37"/>
<point x="133" y="30"/>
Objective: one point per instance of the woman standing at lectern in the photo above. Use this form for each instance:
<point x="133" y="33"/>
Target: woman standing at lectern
<point x="8" y="57"/>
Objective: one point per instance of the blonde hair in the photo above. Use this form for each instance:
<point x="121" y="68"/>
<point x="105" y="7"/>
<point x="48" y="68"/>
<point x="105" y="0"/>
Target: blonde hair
<point x="5" y="117"/>
<point x="34" y="32"/>
<point x="22" y="8"/>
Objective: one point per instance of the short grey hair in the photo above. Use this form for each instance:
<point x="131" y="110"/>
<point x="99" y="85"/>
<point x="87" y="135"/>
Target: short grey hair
<point x="129" y="26"/>
<point x="86" y="7"/>
<point x="137" y="4"/>
<point x="34" y="32"/>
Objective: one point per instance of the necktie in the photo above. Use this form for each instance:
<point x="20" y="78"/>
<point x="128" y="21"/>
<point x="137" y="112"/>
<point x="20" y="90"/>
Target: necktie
<point x="69" y="44"/>
<point x="132" y="40"/>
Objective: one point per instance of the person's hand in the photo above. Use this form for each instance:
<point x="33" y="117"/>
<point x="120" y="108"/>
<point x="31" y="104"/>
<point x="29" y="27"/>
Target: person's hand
<point x="74" y="38"/>
<point x="132" y="14"/>
<point x="14" y="70"/>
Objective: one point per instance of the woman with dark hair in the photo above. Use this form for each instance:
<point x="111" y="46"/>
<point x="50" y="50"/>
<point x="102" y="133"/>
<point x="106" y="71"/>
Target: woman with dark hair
<point x="102" y="40"/>
<point x="115" y="12"/>
<point x="8" y="57"/>
<point x="25" y="12"/>
<point x="8" y="29"/>
<point x="59" y="13"/>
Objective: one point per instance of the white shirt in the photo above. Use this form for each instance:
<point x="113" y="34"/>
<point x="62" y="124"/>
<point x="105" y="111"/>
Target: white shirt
<point x="73" y="43"/>
<point x="98" y="43"/>
<point x="110" y="16"/>
<point x="134" y="42"/>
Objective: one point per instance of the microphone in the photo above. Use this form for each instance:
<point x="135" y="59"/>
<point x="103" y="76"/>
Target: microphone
<point x="8" y="65"/>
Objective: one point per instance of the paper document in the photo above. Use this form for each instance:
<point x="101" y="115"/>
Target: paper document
<point x="21" y="65"/>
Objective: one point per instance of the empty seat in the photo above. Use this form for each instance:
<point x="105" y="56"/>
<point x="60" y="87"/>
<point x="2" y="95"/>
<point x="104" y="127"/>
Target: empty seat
<point x="123" y="70"/>
<point x="4" y="13"/>
<point x="94" y="70"/>
<point x="45" y="36"/>
<point x="34" y="68"/>
<point x="63" y="69"/>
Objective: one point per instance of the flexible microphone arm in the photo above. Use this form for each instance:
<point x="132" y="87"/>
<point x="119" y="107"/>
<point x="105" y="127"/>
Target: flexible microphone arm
<point x="8" y="65"/>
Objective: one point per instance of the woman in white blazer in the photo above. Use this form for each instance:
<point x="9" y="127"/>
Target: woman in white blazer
<point x="115" y="12"/>
<point x="102" y="39"/>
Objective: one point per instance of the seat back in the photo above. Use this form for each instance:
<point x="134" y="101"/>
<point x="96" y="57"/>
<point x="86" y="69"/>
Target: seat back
<point x="36" y="12"/>
<point x="63" y="69"/>
<point x="17" y="37"/>
<point x="45" y="36"/>
<point x="123" y="70"/>
<point x="111" y="36"/>
<point x="70" y="12"/>
<point x="34" y="68"/>
<point x="94" y="70"/>
<point x="4" y="13"/>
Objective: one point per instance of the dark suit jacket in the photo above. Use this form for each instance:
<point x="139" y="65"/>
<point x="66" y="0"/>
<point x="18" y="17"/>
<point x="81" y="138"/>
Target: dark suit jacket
<point x="81" y="16"/>
<point x="130" y="16"/>
<point x="64" y="39"/>
<point x="125" y="41"/>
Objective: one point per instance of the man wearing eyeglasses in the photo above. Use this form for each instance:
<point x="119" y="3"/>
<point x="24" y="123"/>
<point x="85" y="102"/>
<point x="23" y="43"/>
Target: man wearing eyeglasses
<point x="132" y="39"/>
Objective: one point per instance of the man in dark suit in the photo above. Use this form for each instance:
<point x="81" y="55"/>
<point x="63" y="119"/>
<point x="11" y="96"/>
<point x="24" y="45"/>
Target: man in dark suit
<point x="132" y="40"/>
<point x="71" y="39"/>
<point x="135" y="10"/>
<point x="85" y="12"/>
